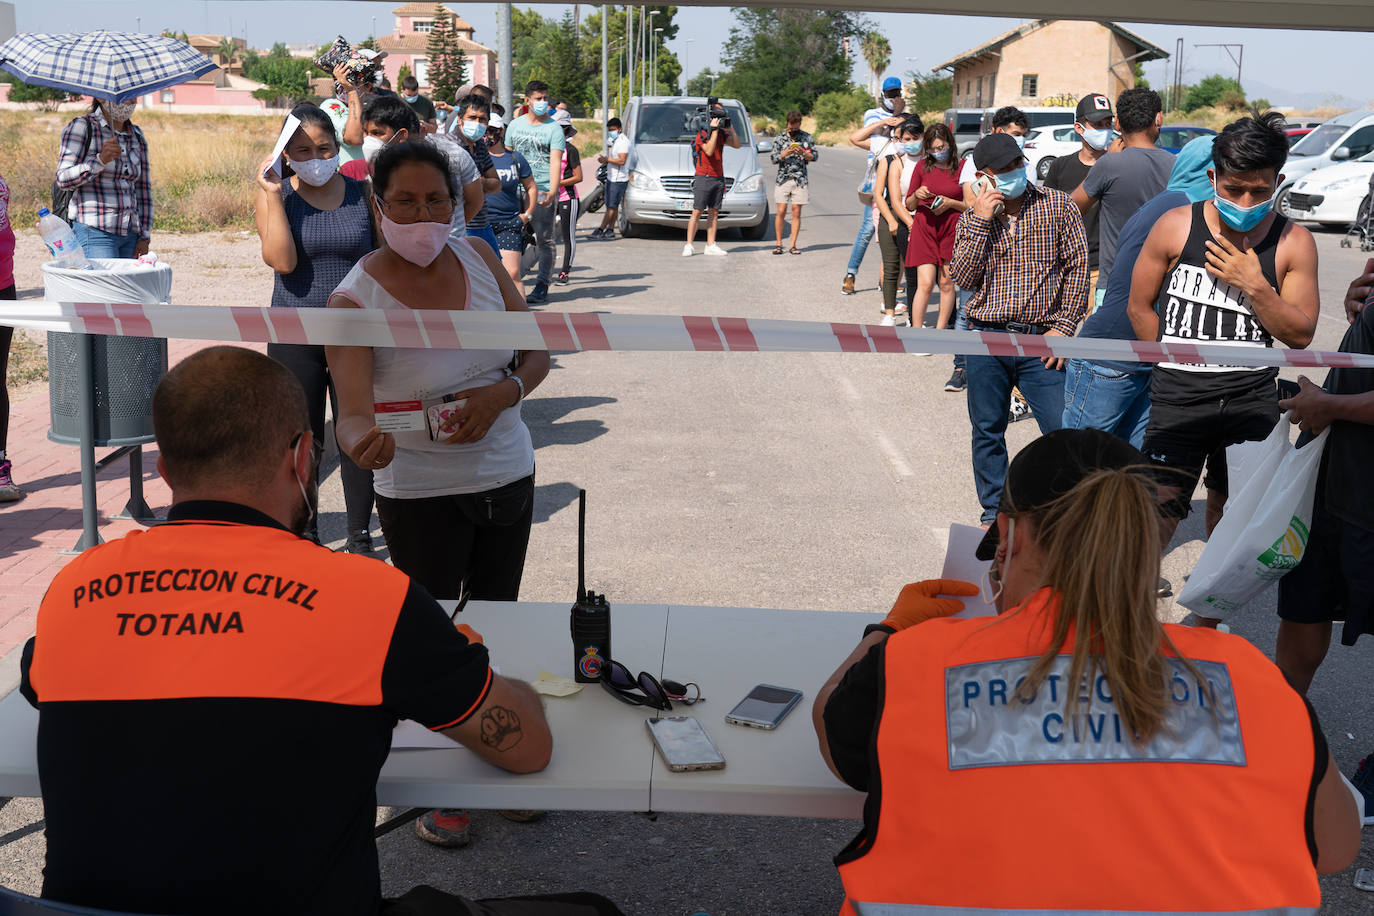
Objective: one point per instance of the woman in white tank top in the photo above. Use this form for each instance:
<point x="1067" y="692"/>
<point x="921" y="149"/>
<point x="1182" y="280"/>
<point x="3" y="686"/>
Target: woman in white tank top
<point x="456" y="506"/>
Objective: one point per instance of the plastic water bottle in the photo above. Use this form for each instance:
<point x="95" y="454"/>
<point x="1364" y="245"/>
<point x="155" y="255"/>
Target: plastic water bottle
<point x="61" y="241"/>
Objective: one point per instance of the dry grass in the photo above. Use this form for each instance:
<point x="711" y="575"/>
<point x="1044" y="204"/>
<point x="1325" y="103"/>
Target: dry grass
<point x="202" y="165"/>
<point x="28" y="360"/>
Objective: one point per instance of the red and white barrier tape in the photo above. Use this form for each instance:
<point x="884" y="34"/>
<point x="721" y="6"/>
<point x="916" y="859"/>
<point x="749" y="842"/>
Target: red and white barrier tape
<point x="458" y="330"/>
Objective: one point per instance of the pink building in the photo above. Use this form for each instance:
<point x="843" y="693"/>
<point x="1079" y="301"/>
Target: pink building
<point x="408" y="45"/>
<point x="225" y="89"/>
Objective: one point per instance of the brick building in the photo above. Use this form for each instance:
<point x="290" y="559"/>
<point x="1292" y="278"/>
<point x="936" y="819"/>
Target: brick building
<point x="1049" y="62"/>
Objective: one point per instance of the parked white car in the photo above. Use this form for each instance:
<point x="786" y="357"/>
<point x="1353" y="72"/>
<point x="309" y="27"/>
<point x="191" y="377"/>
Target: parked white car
<point x="1048" y="143"/>
<point x="1344" y="138"/>
<point x="1332" y="195"/>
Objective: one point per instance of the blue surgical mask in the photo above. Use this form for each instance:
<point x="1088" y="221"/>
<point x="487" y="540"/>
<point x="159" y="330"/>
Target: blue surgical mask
<point x="1241" y="219"/>
<point x="912" y="148"/>
<point x="412" y="99"/>
<point x="942" y="155"/>
<point x="540" y="107"/>
<point x="612" y="134"/>
<point x="474" y="130"/>
<point x="1020" y="141"/>
<point x="1099" y="138"/>
<point x="1012" y="184"/>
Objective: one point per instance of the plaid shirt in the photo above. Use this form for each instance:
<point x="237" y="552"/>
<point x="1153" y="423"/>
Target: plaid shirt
<point x="116" y="197"/>
<point x="1033" y="269"/>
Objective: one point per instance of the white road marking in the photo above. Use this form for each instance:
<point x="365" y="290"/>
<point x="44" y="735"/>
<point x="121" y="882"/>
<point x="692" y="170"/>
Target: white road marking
<point x="894" y="457"/>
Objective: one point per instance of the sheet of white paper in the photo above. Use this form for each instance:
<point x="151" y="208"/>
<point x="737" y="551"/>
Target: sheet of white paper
<point x="961" y="563"/>
<point x="409" y="734"/>
<point x="288" y="130"/>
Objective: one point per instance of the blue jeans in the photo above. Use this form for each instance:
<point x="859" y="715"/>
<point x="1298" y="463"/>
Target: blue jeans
<point x="960" y="320"/>
<point x="861" y="243"/>
<point x="96" y="243"/>
<point x="1098" y="396"/>
<point x="990" y="380"/>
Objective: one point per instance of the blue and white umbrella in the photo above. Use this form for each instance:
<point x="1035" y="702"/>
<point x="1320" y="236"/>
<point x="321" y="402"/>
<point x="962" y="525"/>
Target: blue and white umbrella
<point x="116" y="66"/>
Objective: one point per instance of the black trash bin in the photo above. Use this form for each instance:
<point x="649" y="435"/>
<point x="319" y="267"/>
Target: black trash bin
<point x="124" y="370"/>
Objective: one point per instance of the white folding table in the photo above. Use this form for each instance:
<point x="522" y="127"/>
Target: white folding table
<point x="603" y="757"/>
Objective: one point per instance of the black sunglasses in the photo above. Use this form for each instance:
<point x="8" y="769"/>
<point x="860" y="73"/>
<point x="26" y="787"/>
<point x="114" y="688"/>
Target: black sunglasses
<point x="645" y="690"/>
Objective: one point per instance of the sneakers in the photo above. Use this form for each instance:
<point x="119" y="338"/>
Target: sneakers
<point x="1020" y="410"/>
<point x="1363" y="782"/>
<point x="957" y="382"/>
<point x="540" y="293"/>
<point x="687" y="251"/>
<point x="848" y="286"/>
<point x="9" y="493"/>
<point x="600" y="234"/>
<point x="360" y="544"/>
<point x="715" y="250"/>
<point x="448" y="827"/>
<point x="888" y="322"/>
<point x="562" y="278"/>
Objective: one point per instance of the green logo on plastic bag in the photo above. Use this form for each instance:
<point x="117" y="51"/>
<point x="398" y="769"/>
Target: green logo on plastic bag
<point x="1287" y="550"/>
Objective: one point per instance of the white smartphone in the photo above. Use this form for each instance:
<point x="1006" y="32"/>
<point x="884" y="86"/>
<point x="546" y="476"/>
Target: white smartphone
<point x="764" y="707"/>
<point x="683" y="744"/>
<point x="981" y="184"/>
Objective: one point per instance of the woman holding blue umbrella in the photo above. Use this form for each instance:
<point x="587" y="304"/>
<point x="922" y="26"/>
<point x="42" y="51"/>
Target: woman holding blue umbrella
<point x="104" y="164"/>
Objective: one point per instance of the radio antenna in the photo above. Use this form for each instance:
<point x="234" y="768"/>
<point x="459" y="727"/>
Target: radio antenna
<point x="581" y="545"/>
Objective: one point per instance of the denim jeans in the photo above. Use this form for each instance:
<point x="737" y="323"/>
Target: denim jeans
<point x="861" y="242"/>
<point x="960" y="319"/>
<point x="990" y="380"/>
<point x="1098" y="396"/>
<point x="96" y="243"/>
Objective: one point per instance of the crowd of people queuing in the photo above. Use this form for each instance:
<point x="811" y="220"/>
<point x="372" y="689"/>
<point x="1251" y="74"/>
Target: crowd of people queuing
<point x="397" y="202"/>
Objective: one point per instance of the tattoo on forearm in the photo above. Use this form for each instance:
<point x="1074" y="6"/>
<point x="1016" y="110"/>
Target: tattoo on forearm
<point x="501" y="728"/>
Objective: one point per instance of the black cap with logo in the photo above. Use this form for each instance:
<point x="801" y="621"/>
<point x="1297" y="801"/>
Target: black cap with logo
<point x="1094" y="109"/>
<point x="1053" y="465"/>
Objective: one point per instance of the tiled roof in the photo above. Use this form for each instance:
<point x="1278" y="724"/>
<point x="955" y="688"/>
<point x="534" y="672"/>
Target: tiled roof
<point x="418" y="43"/>
<point x="430" y="9"/>
<point x="1153" y="52"/>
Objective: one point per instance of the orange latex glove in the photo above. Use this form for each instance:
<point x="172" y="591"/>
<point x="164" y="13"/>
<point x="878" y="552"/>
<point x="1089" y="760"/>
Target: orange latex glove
<point x="921" y="601"/>
<point x="473" y="636"/>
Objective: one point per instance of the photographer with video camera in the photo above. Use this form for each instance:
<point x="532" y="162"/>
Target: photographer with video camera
<point x="709" y="189"/>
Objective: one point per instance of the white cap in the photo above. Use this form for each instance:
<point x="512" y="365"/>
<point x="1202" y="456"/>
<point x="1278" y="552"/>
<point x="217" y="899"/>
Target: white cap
<point x="496" y="122"/>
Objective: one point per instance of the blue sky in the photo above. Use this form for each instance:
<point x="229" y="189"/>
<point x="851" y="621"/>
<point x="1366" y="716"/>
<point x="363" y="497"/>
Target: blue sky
<point x="1312" y="67"/>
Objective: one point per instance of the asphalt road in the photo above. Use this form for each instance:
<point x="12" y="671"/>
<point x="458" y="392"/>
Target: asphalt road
<point x="772" y="480"/>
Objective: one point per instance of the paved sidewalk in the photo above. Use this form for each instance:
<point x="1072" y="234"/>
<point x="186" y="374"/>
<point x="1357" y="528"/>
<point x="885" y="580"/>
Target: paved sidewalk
<point x="35" y="531"/>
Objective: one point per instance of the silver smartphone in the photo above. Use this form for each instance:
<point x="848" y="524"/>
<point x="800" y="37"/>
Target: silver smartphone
<point x="764" y="707"/>
<point x="683" y="744"/>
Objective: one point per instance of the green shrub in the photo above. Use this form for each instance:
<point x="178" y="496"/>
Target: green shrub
<point x="838" y="110"/>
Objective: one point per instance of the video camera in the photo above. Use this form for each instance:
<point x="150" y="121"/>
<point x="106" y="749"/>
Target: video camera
<point x="711" y="111"/>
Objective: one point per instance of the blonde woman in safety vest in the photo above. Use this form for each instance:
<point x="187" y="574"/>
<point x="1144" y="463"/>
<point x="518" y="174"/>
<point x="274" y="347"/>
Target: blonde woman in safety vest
<point x="1075" y="755"/>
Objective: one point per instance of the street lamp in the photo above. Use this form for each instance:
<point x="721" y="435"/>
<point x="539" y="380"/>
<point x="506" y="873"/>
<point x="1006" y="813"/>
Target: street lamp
<point x="686" y="58"/>
<point x="657" y="48"/>
<point x="648" y="35"/>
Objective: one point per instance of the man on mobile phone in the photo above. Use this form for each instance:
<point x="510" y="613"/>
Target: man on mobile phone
<point x="708" y="150"/>
<point x="238" y="658"/>
<point x="792" y="154"/>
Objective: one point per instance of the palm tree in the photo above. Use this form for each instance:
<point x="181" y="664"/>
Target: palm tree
<point x="877" y="51"/>
<point x="227" y="49"/>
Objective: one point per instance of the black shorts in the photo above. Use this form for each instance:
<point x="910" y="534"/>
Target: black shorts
<point x="510" y="236"/>
<point x="708" y="193"/>
<point x="1181" y="438"/>
<point x="1335" y="580"/>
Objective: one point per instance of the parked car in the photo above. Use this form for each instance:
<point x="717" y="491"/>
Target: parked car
<point x="966" y="125"/>
<point x="1176" y="136"/>
<point x="1304" y="123"/>
<point x="1332" y="195"/>
<point x="662" y="172"/>
<point x="1342" y="139"/>
<point x="1046" y="144"/>
<point x="1038" y="117"/>
<point x="1295" y="134"/>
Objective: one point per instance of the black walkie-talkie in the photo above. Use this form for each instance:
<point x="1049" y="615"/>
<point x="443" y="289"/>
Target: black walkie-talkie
<point x="591" y="615"/>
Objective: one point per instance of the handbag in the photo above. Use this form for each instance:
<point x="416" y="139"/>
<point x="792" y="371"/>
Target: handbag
<point x="866" y="186"/>
<point x="1264" y="532"/>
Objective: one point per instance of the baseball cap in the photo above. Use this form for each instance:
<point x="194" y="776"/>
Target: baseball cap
<point x="563" y="119"/>
<point x="891" y="83"/>
<point x="496" y="122"/>
<point x="996" y="151"/>
<point x="1053" y="465"/>
<point x="1094" y="108"/>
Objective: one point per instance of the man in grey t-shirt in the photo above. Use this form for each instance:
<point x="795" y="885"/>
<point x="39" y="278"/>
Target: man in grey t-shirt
<point x="1123" y="182"/>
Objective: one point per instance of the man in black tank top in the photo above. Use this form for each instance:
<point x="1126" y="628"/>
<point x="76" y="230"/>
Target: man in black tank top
<point x="1224" y="271"/>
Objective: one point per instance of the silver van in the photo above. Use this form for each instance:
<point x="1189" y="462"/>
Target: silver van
<point x="661" y="131"/>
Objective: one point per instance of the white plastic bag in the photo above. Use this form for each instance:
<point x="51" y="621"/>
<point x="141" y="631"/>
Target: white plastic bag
<point x="1265" y="529"/>
<point x="109" y="280"/>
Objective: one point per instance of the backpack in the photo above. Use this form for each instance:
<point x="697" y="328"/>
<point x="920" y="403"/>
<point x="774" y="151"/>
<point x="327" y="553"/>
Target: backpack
<point x="866" y="186"/>
<point x="62" y="197"/>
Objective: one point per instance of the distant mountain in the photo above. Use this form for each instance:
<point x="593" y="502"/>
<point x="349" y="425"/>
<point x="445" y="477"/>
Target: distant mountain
<point x="1289" y="98"/>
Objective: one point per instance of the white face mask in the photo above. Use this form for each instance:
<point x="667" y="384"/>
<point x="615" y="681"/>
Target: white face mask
<point x="118" y="112"/>
<point x="418" y="243"/>
<point x="987" y="583"/>
<point x="299" y="527"/>
<point x="315" y="172"/>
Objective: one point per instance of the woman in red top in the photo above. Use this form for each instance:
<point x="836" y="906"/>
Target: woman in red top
<point x="936" y="201"/>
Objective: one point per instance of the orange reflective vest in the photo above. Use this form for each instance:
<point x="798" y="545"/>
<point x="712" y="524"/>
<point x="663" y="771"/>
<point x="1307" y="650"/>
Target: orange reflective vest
<point x="984" y="803"/>
<point x="216" y="609"/>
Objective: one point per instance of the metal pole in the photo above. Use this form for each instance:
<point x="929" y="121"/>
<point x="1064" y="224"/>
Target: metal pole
<point x="505" y="70"/>
<point x="85" y="379"/>
<point x="630" y="47"/>
<point x="1239" y="61"/>
<point x="605" y="75"/>
<point x="686" y="60"/>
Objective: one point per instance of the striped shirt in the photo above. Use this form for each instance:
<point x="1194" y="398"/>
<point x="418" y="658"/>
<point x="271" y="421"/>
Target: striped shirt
<point x="1033" y="269"/>
<point x="114" y="197"/>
